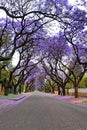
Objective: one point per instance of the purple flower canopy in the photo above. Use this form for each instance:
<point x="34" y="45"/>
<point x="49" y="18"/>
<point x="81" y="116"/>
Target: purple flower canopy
<point x="28" y="34"/>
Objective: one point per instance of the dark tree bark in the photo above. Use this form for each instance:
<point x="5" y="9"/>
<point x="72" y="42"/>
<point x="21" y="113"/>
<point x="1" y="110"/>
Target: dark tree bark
<point x="63" y="90"/>
<point x="6" y="91"/>
<point x="15" y="90"/>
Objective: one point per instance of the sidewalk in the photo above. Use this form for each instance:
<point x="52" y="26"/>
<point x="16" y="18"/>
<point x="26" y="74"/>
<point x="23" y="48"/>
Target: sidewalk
<point x="8" y="102"/>
<point x="80" y="101"/>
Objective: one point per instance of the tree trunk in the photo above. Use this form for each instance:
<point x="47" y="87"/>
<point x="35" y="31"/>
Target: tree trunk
<point x="6" y="91"/>
<point x="15" y="90"/>
<point x="20" y="89"/>
<point x="58" y="90"/>
<point x="76" y="91"/>
<point x="63" y="91"/>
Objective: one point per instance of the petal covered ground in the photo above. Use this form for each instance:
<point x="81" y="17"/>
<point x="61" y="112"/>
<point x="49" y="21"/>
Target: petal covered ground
<point x="6" y="103"/>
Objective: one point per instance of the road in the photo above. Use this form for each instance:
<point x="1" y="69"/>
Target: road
<point x="43" y="112"/>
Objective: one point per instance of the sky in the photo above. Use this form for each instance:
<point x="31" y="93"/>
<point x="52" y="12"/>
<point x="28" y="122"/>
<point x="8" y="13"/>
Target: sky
<point x="15" y="58"/>
<point x="71" y="2"/>
<point x="2" y="13"/>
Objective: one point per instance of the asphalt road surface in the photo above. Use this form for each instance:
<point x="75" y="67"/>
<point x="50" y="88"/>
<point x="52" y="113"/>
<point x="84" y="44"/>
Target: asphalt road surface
<point x="42" y="112"/>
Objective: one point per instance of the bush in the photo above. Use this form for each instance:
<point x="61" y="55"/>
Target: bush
<point x="83" y="83"/>
<point x="69" y="85"/>
<point x="47" y="89"/>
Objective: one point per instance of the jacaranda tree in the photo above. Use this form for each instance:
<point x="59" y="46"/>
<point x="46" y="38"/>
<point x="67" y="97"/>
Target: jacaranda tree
<point x="25" y="26"/>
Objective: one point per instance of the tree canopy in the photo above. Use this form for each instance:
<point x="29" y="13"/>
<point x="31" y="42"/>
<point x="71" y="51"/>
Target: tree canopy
<point x="25" y="29"/>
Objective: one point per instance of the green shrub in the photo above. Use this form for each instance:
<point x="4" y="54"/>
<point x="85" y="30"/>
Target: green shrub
<point x="69" y="85"/>
<point x="83" y="83"/>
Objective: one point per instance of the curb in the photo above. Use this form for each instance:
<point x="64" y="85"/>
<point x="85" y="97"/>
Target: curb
<point x="17" y="99"/>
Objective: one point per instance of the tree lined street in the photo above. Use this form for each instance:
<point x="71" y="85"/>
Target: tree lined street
<point x="47" y="41"/>
<point x="43" y="112"/>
